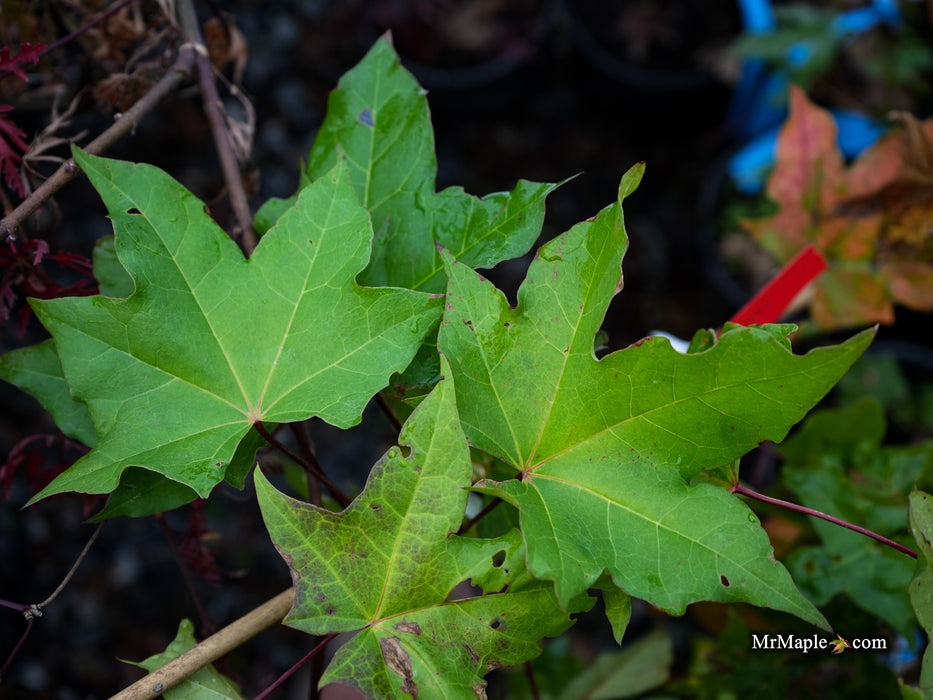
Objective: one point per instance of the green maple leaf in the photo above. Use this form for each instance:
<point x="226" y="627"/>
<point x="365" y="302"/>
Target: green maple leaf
<point x="643" y="665"/>
<point x="605" y="450"/>
<point x="387" y="565"/>
<point x="112" y="278"/>
<point x="206" y="683"/>
<point x="378" y="116"/>
<point x="38" y="371"/>
<point x="210" y="343"/>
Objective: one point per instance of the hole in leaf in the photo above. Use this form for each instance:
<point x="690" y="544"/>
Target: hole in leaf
<point x="496" y="624"/>
<point x="463" y="590"/>
<point x="134" y="211"/>
<point x="724" y="581"/>
<point x="498" y="559"/>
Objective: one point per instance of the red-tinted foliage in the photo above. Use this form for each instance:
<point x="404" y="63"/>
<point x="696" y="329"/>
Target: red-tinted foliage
<point x="193" y="549"/>
<point x="12" y="147"/>
<point x="22" y="275"/>
<point x="32" y="458"/>
<point x="12" y="143"/>
<point x="28" y="53"/>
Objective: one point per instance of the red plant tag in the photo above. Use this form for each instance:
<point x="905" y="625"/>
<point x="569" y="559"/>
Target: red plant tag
<point x="771" y="301"/>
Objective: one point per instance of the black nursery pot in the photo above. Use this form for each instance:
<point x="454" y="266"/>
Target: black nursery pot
<point x="663" y="45"/>
<point x="660" y="53"/>
<point x="467" y="45"/>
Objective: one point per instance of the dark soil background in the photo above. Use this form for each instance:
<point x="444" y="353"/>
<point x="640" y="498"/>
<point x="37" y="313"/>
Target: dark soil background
<point x="553" y="90"/>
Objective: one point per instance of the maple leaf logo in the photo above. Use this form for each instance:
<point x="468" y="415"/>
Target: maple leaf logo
<point x="839" y="644"/>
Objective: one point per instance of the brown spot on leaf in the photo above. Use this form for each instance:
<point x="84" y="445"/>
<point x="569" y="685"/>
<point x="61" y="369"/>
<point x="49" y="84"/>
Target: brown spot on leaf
<point x="724" y="581"/>
<point x="473" y="657"/>
<point x="398" y="661"/>
<point x="409" y="627"/>
<point x="480" y="690"/>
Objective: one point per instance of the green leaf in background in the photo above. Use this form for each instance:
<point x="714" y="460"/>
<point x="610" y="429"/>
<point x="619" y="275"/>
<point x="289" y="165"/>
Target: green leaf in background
<point x="604" y="449"/>
<point x="211" y="343"/>
<point x="836" y="464"/>
<point x="387" y="566"/>
<point x="921" y="587"/>
<point x="643" y="665"/>
<point x="205" y="684"/>
<point x="112" y="277"/>
<point x="378" y="117"/>
<point x="38" y="371"/>
<point x="617" y="604"/>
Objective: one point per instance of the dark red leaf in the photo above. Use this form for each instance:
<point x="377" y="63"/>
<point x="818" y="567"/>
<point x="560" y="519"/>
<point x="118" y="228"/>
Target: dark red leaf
<point x="11" y="139"/>
<point x="28" y="53"/>
<point x="39" y="459"/>
<point x="39" y="251"/>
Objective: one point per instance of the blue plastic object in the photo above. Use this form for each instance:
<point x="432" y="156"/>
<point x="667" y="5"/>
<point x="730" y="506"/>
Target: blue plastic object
<point x="759" y="101"/>
<point x="749" y="166"/>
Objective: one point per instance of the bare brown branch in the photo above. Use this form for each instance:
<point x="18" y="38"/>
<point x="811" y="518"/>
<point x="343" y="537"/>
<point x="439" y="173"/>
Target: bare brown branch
<point x="128" y="121"/>
<point x="213" y="109"/>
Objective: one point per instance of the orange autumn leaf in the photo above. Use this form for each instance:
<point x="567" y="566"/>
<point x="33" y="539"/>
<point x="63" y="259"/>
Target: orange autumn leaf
<point x="871" y="221"/>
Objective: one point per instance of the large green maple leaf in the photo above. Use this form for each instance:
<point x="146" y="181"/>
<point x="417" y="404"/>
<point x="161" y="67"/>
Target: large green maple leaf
<point x="605" y="450"/>
<point x="387" y="565"/>
<point x="378" y="116"/>
<point x="211" y="343"/>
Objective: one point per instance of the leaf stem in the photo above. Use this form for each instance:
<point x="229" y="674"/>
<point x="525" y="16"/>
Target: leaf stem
<point x="300" y="431"/>
<point x="304" y="659"/>
<point x="465" y="528"/>
<point x="743" y="491"/>
<point x="213" y="109"/>
<point x="30" y="620"/>
<point x="74" y="567"/>
<point x="388" y="412"/>
<point x="31" y="612"/>
<point x="207" y="627"/>
<point x="310" y="465"/>
<point x="532" y="683"/>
